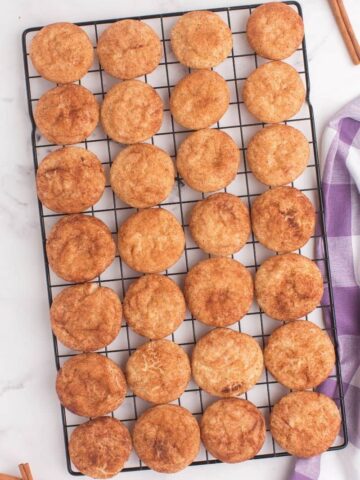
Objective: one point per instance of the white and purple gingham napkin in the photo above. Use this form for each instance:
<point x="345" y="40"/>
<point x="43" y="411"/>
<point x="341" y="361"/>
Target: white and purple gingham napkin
<point x="341" y="187"/>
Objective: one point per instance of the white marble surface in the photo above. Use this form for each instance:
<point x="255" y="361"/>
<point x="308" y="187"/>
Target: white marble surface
<point x="30" y="423"/>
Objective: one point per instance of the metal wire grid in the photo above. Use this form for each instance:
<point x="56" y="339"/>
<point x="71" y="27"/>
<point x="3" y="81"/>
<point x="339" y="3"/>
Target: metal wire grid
<point x="241" y="126"/>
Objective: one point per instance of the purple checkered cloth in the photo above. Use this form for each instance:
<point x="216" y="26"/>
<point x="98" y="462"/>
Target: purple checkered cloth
<point x="341" y="153"/>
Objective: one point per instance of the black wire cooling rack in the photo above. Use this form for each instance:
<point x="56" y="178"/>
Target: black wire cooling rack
<point x="241" y="126"/>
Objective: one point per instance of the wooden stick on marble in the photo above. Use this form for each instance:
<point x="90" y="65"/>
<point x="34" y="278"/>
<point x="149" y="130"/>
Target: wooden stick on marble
<point x="345" y="27"/>
<point x="25" y="471"/>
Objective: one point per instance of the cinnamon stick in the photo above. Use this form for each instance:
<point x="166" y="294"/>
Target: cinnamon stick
<point x="349" y="28"/>
<point x="25" y="471"/>
<point x="345" y="27"/>
<point x="3" y="476"/>
<point x="22" y="472"/>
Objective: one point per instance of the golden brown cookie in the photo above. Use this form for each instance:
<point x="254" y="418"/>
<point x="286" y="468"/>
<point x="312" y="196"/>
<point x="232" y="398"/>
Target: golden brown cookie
<point x="167" y="438"/>
<point x="70" y="180"/>
<point x="232" y="430"/>
<point x="67" y="114"/>
<point x="220" y="224"/>
<point x="142" y="175"/>
<point x="274" y="92"/>
<point x="288" y="286"/>
<point x="211" y="151"/>
<point x="283" y="219"/>
<point x="79" y="248"/>
<point x="61" y="52"/>
<point x="129" y="49"/>
<point x="158" y="371"/>
<point x="200" y="99"/>
<point x="299" y="355"/>
<point x="90" y="385"/>
<point x="218" y="291"/>
<point x="275" y="30"/>
<point x="201" y="39"/>
<point x="305" y="424"/>
<point x="150" y="241"/>
<point x="278" y="154"/>
<point x="131" y="112"/>
<point x="99" y="448"/>
<point x="86" y="317"/>
<point x="226" y="363"/>
<point x="154" y="306"/>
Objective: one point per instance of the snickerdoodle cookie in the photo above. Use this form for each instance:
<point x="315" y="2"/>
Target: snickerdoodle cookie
<point x="274" y="92"/>
<point x="61" y="52"/>
<point x="232" y="430"/>
<point x="200" y="99"/>
<point x="305" y="424"/>
<point x="211" y="151"/>
<point x="142" y="175"/>
<point x="226" y="363"/>
<point x="129" y="49"/>
<point x="166" y="438"/>
<point x="154" y="306"/>
<point x="299" y="355"/>
<point x="158" y="371"/>
<point x="90" y="385"/>
<point x="86" y="317"/>
<point x="283" y="219"/>
<point x="131" y="112"/>
<point x="67" y="114"/>
<point x="70" y="180"/>
<point x="288" y="286"/>
<point x="278" y="154"/>
<point x="201" y="39"/>
<point x="151" y="240"/>
<point x="275" y="30"/>
<point x="99" y="448"/>
<point x="218" y="291"/>
<point x="79" y="248"/>
<point x="220" y="224"/>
